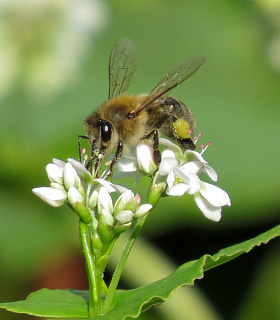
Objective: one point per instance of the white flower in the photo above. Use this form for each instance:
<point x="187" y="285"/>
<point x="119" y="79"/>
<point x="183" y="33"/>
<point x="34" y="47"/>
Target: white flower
<point x="179" y="179"/>
<point x="210" y="199"/>
<point x="181" y="170"/>
<point x="172" y="150"/>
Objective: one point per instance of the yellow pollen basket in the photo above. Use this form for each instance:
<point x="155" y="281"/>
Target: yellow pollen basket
<point x="182" y="128"/>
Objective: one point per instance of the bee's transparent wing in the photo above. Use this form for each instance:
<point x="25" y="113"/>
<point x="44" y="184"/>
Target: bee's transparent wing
<point x="177" y="75"/>
<point x="121" y="67"/>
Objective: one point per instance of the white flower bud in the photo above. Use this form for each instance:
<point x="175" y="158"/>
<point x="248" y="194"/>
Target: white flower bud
<point x="53" y="197"/>
<point x="145" y="158"/>
<point x="70" y="176"/>
<point x="104" y="200"/>
<point x="93" y="199"/>
<point x="55" y="173"/>
<point x="124" y="217"/>
<point x="81" y="170"/>
<point x="57" y="186"/>
<point x="142" y="210"/>
<point x="74" y="196"/>
<point x="123" y="200"/>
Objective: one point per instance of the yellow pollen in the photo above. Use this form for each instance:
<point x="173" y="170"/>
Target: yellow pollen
<point x="182" y="128"/>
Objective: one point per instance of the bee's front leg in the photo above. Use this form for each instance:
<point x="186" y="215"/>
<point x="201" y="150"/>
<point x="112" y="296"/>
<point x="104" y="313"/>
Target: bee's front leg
<point x="117" y="156"/>
<point x="79" y="145"/>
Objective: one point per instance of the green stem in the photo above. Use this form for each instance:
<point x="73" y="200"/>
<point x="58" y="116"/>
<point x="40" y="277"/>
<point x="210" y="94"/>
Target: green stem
<point x="153" y="199"/>
<point x="120" y="266"/>
<point x="94" y="278"/>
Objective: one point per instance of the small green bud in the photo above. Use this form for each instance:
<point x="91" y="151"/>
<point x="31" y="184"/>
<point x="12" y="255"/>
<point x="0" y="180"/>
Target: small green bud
<point x="155" y="193"/>
<point x="105" y="230"/>
<point x="82" y="212"/>
<point x="96" y="242"/>
<point x="118" y="229"/>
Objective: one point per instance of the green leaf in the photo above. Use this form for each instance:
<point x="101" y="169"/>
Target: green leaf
<point x="131" y="303"/>
<point x="50" y="303"/>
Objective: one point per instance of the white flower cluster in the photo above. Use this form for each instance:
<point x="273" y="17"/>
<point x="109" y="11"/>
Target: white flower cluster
<point x="91" y="199"/>
<point x="180" y="171"/>
<point x="178" y="174"/>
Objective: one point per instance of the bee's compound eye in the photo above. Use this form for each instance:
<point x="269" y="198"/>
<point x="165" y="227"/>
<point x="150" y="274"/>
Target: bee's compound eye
<point x="106" y="131"/>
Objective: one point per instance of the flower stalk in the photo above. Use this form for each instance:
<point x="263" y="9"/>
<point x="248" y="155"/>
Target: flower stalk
<point x="94" y="278"/>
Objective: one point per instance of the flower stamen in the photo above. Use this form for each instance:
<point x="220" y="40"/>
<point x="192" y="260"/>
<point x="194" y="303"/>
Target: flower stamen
<point x="204" y="147"/>
<point x="197" y="138"/>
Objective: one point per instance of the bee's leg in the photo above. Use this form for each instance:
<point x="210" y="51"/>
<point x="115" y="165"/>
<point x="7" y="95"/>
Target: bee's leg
<point x="153" y="139"/>
<point x="92" y="158"/>
<point x="79" y="146"/>
<point x="186" y="144"/>
<point x="117" y="156"/>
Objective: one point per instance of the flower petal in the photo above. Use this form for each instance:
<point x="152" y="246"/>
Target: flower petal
<point x="59" y="163"/>
<point x="166" y="166"/>
<point x="215" y="195"/>
<point x="142" y="210"/>
<point x="211" y="212"/>
<point x="170" y="145"/>
<point x="81" y="170"/>
<point x="191" y="167"/>
<point x="126" y="164"/>
<point x="167" y="154"/>
<point x="178" y="189"/>
<point x="210" y="172"/>
<point x="194" y="156"/>
<point x="111" y="187"/>
<point x="170" y="180"/>
<point x="53" y="197"/>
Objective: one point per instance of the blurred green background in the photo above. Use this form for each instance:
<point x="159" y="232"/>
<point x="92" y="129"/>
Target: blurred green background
<point x="53" y="73"/>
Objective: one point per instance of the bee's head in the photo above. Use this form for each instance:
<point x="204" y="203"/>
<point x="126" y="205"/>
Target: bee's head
<point x="100" y="134"/>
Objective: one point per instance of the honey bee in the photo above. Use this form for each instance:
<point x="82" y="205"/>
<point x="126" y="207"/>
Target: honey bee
<point x="124" y="120"/>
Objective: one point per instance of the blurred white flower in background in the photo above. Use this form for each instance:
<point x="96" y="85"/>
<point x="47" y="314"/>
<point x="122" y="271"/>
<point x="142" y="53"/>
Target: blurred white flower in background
<point x="43" y="43"/>
<point x="270" y="10"/>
